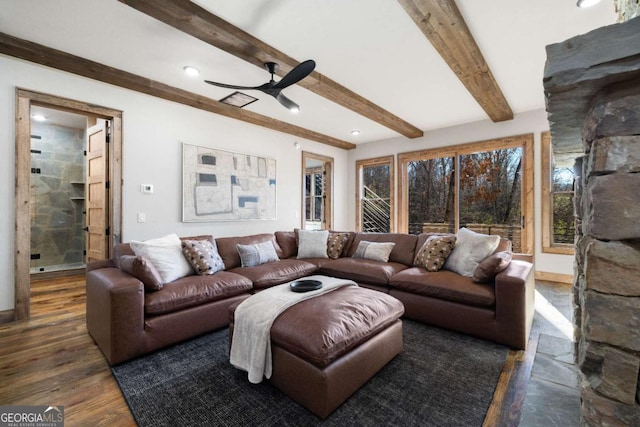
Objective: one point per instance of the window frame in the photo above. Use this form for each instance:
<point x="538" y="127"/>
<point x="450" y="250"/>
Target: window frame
<point x="546" y="219"/>
<point x="524" y="141"/>
<point x="313" y="195"/>
<point x="376" y="161"/>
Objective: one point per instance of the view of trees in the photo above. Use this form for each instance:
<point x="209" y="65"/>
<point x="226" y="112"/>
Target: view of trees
<point x="376" y="178"/>
<point x="490" y="189"/>
<point x="431" y="192"/>
<point x="562" y="201"/>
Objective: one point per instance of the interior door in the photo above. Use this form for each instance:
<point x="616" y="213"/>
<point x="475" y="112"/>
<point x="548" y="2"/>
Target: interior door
<point x="96" y="192"/>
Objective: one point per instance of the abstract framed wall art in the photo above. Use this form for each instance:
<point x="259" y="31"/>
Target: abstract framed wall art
<point x="220" y="185"/>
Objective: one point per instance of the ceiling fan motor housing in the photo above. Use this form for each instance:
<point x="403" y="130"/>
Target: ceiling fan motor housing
<point x="272" y="67"/>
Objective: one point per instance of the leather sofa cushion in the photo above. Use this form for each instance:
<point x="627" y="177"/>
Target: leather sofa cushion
<point x="275" y="273"/>
<point x="445" y="285"/>
<point x="287" y="242"/>
<point x="119" y="250"/>
<point x="195" y="290"/>
<point x="228" y="250"/>
<point x="362" y="270"/>
<point x="324" y="328"/>
<point x="403" y="252"/>
<point x="505" y="245"/>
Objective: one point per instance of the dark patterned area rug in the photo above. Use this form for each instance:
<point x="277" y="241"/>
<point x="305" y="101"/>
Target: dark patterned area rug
<point x="441" y="378"/>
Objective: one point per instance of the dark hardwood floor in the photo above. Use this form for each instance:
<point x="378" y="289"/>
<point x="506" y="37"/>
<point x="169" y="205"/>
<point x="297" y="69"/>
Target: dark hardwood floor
<point x="51" y="360"/>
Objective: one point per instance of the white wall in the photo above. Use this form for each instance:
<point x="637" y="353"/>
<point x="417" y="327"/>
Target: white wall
<point x="153" y="131"/>
<point x="531" y="122"/>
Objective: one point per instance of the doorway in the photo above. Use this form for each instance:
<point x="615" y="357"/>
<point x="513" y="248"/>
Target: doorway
<point x="53" y="187"/>
<point x="317" y="191"/>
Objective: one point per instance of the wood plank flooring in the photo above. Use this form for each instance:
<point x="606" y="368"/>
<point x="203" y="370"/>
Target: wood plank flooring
<point x="51" y="360"/>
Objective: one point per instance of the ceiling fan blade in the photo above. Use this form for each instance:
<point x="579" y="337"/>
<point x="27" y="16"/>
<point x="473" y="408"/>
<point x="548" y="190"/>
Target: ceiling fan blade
<point x="234" y="86"/>
<point x="287" y="103"/>
<point x="298" y="73"/>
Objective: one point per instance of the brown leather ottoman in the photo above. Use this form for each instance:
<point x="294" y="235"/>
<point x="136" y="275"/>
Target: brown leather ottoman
<point x="325" y="348"/>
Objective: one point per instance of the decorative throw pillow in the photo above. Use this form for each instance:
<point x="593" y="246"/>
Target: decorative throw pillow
<point x="489" y="267"/>
<point x="256" y="254"/>
<point x="335" y="244"/>
<point x="312" y="244"/>
<point x="165" y="253"/>
<point x="203" y="256"/>
<point x="470" y="249"/>
<point x="435" y="251"/>
<point x="374" y="251"/>
<point x="142" y="269"/>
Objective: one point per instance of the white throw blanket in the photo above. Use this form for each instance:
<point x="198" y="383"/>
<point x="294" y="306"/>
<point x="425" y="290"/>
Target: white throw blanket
<point x="251" y="345"/>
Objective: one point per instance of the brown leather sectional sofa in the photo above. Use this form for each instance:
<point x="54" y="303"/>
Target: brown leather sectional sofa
<point x="126" y="321"/>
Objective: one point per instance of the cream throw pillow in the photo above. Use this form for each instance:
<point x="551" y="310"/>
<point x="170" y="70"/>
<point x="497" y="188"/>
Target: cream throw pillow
<point x="374" y="251"/>
<point x="470" y="249"/>
<point x="312" y="244"/>
<point x="165" y="253"/>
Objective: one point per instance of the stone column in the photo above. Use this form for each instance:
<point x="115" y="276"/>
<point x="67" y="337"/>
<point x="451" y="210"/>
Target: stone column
<point x="627" y="9"/>
<point x="607" y="266"/>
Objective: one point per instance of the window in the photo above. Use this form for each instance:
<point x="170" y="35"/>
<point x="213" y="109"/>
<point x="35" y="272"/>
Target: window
<point x="374" y="200"/>
<point x="558" y="222"/>
<point x="313" y="195"/>
<point x="485" y="186"/>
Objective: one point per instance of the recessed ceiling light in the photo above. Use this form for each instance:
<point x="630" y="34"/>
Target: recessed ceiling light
<point x="38" y="117"/>
<point x="191" y="71"/>
<point x="294" y="110"/>
<point x="587" y="3"/>
<point x="355" y="132"/>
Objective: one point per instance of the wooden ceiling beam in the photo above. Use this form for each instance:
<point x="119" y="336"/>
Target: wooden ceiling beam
<point x="64" y="61"/>
<point x="202" y="24"/>
<point x="443" y="24"/>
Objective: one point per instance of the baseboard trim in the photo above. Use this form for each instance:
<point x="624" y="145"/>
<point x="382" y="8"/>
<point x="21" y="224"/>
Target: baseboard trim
<point x="7" y="316"/>
<point x="56" y="274"/>
<point x="554" y="277"/>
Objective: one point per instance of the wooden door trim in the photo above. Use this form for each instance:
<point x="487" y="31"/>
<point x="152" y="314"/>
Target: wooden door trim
<point x="328" y="161"/>
<point x="24" y="99"/>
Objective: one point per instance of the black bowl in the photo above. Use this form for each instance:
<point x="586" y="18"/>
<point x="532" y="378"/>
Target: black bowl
<point x="305" y="285"/>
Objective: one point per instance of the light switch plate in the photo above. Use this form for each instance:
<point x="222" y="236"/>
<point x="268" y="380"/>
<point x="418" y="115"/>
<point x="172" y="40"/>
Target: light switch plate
<point x="147" y="188"/>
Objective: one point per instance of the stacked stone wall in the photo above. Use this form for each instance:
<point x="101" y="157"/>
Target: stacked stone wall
<point x="606" y="290"/>
<point x="627" y="9"/>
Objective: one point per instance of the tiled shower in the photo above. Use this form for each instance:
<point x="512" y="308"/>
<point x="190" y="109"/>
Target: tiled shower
<point x="57" y="197"/>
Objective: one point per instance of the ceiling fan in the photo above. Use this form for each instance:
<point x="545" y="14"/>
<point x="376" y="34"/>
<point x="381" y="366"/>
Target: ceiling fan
<point x="274" y="88"/>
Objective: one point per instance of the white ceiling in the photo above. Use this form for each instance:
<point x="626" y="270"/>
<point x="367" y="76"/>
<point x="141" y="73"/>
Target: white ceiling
<point x="369" y="46"/>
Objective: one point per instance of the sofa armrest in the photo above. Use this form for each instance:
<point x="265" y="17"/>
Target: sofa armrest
<point x="115" y="313"/>
<point x="522" y="257"/>
<point x="515" y="302"/>
<point x="103" y="263"/>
